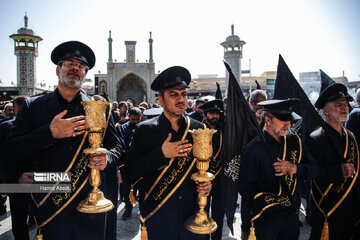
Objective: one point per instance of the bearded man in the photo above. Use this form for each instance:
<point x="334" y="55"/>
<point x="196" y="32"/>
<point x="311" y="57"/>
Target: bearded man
<point x="49" y="130"/>
<point x="336" y="191"/>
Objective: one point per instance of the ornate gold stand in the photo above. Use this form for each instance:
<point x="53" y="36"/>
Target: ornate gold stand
<point x="95" y="121"/>
<point x="201" y="223"/>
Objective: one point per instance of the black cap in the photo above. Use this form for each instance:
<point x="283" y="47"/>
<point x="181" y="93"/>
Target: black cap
<point x="330" y="91"/>
<point x="214" y="105"/>
<point x="281" y="109"/>
<point x="172" y="77"/>
<point x="73" y="49"/>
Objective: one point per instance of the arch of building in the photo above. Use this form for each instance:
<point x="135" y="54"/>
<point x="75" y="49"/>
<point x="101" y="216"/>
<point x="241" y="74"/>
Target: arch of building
<point x="131" y="87"/>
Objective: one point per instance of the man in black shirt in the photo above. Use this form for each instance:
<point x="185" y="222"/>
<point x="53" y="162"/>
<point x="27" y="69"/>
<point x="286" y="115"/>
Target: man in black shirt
<point x="197" y="114"/>
<point x="161" y="158"/>
<point x="212" y="112"/>
<point x="14" y="172"/>
<point x="275" y="202"/>
<point x="257" y="96"/>
<point x="336" y="191"/>
<point x="128" y="132"/>
<point x="51" y="129"/>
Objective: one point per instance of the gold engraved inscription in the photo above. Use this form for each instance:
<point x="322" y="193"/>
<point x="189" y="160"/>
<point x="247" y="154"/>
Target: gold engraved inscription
<point x="80" y="168"/>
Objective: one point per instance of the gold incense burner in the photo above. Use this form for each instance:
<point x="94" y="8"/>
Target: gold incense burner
<point x="201" y="223"/>
<point x="95" y="122"/>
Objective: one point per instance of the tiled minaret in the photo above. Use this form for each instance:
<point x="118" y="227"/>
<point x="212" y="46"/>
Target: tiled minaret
<point x="26" y="50"/>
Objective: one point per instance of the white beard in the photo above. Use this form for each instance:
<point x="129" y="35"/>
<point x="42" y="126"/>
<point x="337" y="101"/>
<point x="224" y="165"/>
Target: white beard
<point x="71" y="83"/>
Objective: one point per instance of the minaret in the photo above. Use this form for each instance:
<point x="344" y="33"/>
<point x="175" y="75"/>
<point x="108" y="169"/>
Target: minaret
<point x="26" y="50"/>
<point x="233" y="48"/>
<point x="110" y="47"/>
<point x="150" y="50"/>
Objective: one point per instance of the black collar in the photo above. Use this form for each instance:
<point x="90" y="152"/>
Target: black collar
<point x="80" y="96"/>
<point x="163" y="120"/>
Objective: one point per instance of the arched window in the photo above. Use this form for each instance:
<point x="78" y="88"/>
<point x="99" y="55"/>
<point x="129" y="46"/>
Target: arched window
<point x="103" y="87"/>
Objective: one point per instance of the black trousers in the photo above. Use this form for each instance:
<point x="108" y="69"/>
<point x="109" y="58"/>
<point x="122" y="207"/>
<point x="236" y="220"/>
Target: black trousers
<point x="182" y="235"/>
<point x="19" y="207"/>
<point x="279" y="226"/>
<point x="217" y="209"/>
<point x="245" y="215"/>
<point x="76" y="226"/>
<point x="110" y="188"/>
<point x="127" y="187"/>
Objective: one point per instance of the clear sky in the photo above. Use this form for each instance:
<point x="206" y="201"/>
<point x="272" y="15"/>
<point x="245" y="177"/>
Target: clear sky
<point x="310" y="34"/>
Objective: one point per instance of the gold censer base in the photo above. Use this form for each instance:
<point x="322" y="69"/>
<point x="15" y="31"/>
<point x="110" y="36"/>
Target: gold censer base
<point x="200" y="223"/>
<point x="95" y="202"/>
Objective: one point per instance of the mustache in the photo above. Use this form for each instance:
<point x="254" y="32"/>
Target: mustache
<point x="74" y="73"/>
<point x="180" y="104"/>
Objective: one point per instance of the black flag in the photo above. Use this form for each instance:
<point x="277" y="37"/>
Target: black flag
<point x="286" y="86"/>
<point x="240" y="128"/>
<point x="218" y="94"/>
<point x="325" y="81"/>
<point x="257" y="85"/>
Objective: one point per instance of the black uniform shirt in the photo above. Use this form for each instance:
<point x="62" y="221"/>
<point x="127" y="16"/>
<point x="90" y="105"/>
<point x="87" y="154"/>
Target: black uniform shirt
<point x="328" y="147"/>
<point x="328" y="153"/>
<point x="31" y="132"/>
<point x="145" y="155"/>
<point x="146" y="159"/>
<point x="215" y="145"/>
<point x="197" y="116"/>
<point x="74" y="107"/>
<point x="257" y="172"/>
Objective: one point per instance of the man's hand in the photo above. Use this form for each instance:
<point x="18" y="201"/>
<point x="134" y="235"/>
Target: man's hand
<point x="25" y="178"/>
<point x="97" y="161"/>
<point x="283" y="167"/>
<point x="204" y="188"/>
<point x="69" y="127"/>
<point x="348" y="169"/>
<point x="175" y="149"/>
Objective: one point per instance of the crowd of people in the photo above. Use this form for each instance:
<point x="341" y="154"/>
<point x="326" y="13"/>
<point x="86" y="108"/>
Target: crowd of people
<point x="149" y="160"/>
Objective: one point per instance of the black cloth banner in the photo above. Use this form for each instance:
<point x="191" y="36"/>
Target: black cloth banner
<point x="257" y="85"/>
<point x="286" y="86"/>
<point x="240" y="128"/>
<point x="218" y="94"/>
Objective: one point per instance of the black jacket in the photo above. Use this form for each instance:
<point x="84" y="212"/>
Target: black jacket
<point x="30" y="138"/>
<point x="257" y="172"/>
<point x="145" y="159"/>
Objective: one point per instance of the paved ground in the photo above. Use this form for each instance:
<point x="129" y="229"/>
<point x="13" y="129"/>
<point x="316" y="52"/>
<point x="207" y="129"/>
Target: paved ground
<point x="129" y="230"/>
